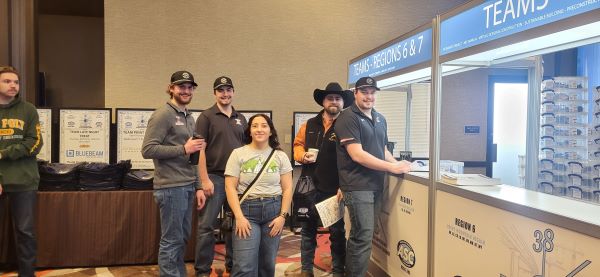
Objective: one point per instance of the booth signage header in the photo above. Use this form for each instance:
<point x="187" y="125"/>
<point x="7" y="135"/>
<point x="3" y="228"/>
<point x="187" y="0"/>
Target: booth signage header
<point x="413" y="50"/>
<point x="499" y="18"/>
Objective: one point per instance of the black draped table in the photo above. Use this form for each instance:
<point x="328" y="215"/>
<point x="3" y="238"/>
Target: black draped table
<point x="93" y="228"/>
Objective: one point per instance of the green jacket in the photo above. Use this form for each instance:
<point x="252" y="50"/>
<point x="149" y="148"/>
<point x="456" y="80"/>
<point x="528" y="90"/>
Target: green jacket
<point x="20" y="142"/>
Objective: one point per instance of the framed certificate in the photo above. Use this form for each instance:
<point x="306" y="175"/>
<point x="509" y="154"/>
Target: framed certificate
<point x="249" y="114"/>
<point x="84" y="135"/>
<point x="45" y="116"/>
<point x="131" y="128"/>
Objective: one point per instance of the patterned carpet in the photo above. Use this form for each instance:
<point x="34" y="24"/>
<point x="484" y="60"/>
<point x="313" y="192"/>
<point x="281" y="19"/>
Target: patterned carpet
<point x="288" y="262"/>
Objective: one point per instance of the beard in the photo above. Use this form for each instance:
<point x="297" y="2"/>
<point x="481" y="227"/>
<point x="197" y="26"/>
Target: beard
<point x="333" y="110"/>
<point x="180" y="100"/>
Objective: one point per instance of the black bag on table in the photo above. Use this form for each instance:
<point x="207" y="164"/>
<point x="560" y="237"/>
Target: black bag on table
<point x="304" y="199"/>
<point x="138" y="180"/>
<point x="103" y="176"/>
<point x="58" y="176"/>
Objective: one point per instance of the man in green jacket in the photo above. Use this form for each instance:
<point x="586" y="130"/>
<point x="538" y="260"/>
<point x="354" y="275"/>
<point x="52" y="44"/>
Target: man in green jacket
<point x="20" y="142"/>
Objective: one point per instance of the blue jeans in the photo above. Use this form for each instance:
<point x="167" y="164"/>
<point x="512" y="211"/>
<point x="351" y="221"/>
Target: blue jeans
<point x="337" y="237"/>
<point x="363" y="210"/>
<point x="175" y="205"/>
<point x="22" y="207"/>
<point x="207" y="223"/>
<point x="256" y="254"/>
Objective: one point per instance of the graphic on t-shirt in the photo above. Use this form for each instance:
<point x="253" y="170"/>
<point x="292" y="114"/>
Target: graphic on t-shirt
<point x="255" y="164"/>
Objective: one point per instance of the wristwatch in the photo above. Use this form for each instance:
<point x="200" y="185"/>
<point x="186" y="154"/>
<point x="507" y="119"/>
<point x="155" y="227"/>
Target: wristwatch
<point x="284" y="214"/>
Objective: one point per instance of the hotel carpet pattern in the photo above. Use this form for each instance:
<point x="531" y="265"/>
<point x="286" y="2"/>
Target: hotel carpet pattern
<point x="288" y="263"/>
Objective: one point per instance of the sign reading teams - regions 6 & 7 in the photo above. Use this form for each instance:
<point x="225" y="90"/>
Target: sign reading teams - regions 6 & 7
<point x="401" y="54"/>
<point x="84" y="136"/>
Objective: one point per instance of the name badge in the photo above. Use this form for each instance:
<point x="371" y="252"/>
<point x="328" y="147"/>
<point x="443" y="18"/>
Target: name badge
<point x="178" y="121"/>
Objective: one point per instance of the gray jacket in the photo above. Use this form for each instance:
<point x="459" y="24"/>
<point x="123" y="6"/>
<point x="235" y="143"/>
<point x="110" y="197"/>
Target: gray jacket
<point x="168" y="130"/>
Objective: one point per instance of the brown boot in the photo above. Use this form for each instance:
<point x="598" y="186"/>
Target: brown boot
<point x="306" y="274"/>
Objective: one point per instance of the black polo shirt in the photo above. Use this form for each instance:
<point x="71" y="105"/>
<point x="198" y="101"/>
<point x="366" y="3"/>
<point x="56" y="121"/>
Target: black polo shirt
<point x="222" y="135"/>
<point x="352" y="126"/>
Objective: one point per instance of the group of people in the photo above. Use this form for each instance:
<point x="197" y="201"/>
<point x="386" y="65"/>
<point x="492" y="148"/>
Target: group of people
<point x="235" y="157"/>
<point x="223" y="161"/>
<point x="241" y="167"/>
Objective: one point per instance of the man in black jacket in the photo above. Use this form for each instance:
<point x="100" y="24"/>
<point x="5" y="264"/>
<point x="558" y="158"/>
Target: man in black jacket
<point x="315" y="149"/>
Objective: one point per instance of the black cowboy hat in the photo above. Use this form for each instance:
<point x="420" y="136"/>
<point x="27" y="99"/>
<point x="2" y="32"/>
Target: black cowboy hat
<point x="334" y="88"/>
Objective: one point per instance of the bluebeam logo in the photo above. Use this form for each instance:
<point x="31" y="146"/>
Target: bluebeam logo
<point x="406" y="254"/>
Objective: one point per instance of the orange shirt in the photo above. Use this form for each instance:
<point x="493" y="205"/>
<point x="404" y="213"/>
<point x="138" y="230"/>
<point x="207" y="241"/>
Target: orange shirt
<point x="300" y="140"/>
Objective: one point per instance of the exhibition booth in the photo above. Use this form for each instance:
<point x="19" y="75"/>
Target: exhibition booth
<point x="509" y="89"/>
<point x="513" y="96"/>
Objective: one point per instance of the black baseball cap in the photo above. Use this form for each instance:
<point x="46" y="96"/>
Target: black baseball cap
<point x="366" y="82"/>
<point x="181" y="77"/>
<point x="222" y="81"/>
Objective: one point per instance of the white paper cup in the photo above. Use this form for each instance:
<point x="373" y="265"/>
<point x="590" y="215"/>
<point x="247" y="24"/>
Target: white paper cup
<point x="314" y="150"/>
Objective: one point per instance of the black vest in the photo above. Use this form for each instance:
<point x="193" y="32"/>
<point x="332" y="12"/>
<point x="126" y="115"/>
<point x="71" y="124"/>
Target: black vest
<point x="324" y="171"/>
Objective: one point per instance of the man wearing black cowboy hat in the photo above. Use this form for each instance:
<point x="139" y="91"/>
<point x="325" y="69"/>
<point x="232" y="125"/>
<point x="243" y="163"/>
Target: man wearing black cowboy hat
<point x="318" y="135"/>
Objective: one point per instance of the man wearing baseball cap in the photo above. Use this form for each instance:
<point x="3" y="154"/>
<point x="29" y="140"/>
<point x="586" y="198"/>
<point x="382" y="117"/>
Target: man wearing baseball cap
<point x="223" y="128"/>
<point x="317" y="133"/>
<point x="169" y="141"/>
<point x="363" y="160"/>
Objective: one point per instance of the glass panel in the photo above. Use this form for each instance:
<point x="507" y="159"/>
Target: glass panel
<point x="392" y="104"/>
<point x="567" y="103"/>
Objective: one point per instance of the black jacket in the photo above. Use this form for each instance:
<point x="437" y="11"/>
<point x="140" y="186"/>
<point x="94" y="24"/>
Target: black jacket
<point x="324" y="171"/>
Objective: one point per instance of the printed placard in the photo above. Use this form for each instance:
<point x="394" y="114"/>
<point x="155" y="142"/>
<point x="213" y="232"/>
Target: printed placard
<point x="84" y="135"/>
<point x="45" y="116"/>
<point x="131" y="128"/>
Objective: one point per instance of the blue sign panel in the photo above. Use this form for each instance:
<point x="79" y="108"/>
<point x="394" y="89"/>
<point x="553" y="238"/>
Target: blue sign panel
<point x="413" y="50"/>
<point x="471" y="129"/>
<point x="499" y="18"/>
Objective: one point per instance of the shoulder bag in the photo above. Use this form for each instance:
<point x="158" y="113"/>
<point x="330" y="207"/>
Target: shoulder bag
<point x="227" y="220"/>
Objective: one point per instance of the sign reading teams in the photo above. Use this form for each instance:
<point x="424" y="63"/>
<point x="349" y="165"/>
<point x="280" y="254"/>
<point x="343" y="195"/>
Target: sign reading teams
<point x="413" y="50"/>
<point x="499" y="18"/>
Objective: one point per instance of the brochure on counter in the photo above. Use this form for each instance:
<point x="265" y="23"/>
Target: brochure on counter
<point x="469" y="179"/>
<point x="419" y="166"/>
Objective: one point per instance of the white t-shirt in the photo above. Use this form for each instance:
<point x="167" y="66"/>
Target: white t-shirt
<point x="245" y="163"/>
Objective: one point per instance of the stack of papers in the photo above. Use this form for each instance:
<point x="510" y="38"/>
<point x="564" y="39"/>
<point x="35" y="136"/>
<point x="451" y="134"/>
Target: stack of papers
<point x="469" y="179"/>
<point x="330" y="211"/>
<point x="419" y="166"/>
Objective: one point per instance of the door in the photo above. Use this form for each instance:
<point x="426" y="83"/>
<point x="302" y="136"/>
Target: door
<point x="507" y="122"/>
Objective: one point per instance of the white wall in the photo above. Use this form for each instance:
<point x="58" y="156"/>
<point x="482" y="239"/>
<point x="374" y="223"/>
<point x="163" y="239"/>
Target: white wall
<point x="276" y="52"/>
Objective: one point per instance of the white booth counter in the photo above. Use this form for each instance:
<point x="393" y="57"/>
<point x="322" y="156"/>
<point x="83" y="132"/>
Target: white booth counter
<point x="400" y="242"/>
<point x="498" y="230"/>
<point x="503" y="230"/>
